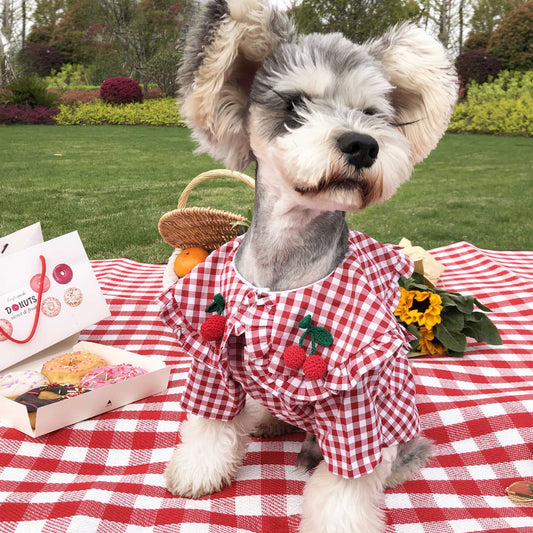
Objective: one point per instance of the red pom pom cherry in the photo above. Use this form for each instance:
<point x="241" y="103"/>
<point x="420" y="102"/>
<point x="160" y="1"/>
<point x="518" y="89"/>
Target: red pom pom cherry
<point x="213" y="328"/>
<point x="294" y="357"/>
<point x="314" y="367"/>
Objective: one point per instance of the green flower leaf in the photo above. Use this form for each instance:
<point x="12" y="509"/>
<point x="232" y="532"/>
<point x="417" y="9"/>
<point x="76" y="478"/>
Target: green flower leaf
<point x="453" y="318"/>
<point x="453" y="340"/>
<point x="481" y="328"/>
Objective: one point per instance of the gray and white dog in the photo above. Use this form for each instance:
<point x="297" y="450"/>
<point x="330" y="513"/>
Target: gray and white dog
<point x="333" y="127"/>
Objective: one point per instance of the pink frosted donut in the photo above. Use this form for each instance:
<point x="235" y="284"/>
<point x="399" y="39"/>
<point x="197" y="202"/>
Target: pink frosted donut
<point x="35" y="283"/>
<point x="109" y="375"/>
<point x="14" y="384"/>
<point x="7" y="327"/>
<point x="51" y="307"/>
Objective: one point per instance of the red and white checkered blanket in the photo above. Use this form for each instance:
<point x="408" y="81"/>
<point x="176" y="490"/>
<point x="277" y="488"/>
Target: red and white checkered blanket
<point x="106" y="474"/>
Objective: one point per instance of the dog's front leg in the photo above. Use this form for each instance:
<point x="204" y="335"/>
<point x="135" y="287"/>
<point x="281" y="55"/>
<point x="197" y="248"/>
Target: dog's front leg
<point x="333" y="504"/>
<point x="209" y="454"/>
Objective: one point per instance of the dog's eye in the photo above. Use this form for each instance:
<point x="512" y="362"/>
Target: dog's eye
<point x="294" y="101"/>
<point x="293" y="105"/>
<point x="370" y="111"/>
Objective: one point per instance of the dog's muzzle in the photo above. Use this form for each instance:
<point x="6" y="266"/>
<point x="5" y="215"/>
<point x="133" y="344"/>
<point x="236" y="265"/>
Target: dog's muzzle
<point x="360" y="150"/>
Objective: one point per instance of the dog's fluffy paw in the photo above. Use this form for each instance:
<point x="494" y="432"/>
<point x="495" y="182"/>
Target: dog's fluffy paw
<point x="412" y="457"/>
<point x="207" y="458"/>
<point x="190" y="475"/>
<point x="310" y="455"/>
<point x="272" y="428"/>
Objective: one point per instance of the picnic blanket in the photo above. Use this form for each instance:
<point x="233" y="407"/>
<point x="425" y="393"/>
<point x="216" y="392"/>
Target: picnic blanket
<point x="106" y="474"/>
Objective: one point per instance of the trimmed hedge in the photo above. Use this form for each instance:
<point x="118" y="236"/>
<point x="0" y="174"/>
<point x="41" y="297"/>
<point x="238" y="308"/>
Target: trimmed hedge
<point x="159" y="112"/>
<point x="501" y="107"/>
<point x="121" y="90"/>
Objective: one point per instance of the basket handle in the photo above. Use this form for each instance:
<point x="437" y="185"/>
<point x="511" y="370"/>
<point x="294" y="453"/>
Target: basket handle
<point x="220" y="172"/>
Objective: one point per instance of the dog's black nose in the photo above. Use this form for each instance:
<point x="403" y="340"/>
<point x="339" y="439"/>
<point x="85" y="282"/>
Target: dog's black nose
<point x="361" y="150"/>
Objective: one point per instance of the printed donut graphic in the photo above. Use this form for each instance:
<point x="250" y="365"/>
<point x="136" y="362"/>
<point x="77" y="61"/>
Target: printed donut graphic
<point x="35" y="283"/>
<point x="73" y="296"/>
<point x="62" y="274"/>
<point x="51" y="307"/>
<point x="7" y="327"/>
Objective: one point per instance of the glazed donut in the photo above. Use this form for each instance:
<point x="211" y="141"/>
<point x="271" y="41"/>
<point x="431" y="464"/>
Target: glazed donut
<point x="71" y="367"/>
<point x="51" y="307"/>
<point x="41" y="396"/>
<point x="14" y="384"/>
<point x="62" y="274"/>
<point x="109" y="375"/>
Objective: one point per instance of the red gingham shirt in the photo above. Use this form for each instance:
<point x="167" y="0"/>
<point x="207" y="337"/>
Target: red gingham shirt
<point x="366" y="400"/>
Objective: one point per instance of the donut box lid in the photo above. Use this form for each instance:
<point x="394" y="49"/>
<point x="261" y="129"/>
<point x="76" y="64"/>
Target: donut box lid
<point x="68" y="300"/>
<point x="85" y="406"/>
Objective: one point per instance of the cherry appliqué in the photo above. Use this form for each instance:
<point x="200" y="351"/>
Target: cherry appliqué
<point x="295" y="357"/>
<point x="213" y="328"/>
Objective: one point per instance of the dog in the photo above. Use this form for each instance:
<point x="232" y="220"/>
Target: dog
<point x="332" y="127"/>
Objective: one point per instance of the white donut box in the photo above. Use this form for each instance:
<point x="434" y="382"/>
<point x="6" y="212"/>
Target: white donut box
<point x="95" y="402"/>
<point x="69" y="411"/>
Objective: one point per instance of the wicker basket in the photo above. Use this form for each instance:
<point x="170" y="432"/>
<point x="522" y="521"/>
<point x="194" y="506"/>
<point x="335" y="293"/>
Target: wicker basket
<point x="201" y="226"/>
<point x="209" y="228"/>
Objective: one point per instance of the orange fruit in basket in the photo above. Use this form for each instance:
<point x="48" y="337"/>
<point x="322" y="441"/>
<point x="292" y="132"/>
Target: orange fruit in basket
<point x="187" y="259"/>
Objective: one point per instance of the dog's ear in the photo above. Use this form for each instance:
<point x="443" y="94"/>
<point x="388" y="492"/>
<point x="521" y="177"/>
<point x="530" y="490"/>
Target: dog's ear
<point x="222" y="55"/>
<point x="425" y="85"/>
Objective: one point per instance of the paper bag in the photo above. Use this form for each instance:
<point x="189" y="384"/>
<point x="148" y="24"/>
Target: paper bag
<point x="38" y="311"/>
<point x="23" y="238"/>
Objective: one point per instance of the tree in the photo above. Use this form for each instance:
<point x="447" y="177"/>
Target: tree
<point x="511" y="43"/>
<point x="358" y="20"/>
<point x="49" y="12"/>
<point x="69" y="35"/>
<point x="139" y="30"/>
<point x="446" y="18"/>
<point x="488" y="14"/>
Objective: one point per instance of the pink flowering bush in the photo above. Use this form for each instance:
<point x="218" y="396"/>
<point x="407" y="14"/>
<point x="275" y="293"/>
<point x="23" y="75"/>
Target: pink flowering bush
<point x="26" y="114"/>
<point x="120" y="90"/>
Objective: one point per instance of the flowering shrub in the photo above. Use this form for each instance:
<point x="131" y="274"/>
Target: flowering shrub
<point x="501" y="107"/>
<point x="159" y="112"/>
<point x="121" y="90"/>
<point x="441" y="320"/>
<point x="26" y="114"/>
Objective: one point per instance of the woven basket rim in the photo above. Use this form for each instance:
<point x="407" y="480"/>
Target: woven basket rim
<point x="207" y="227"/>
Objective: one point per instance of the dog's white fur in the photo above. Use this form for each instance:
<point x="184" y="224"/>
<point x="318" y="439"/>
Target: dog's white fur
<point x="243" y="65"/>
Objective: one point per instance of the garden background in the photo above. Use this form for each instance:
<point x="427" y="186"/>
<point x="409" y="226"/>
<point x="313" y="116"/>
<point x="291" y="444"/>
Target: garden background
<point x="73" y="84"/>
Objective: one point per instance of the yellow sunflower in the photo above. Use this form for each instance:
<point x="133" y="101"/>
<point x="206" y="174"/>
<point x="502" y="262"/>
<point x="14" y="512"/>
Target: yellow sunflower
<point x="420" y="307"/>
<point x="428" y="343"/>
<point x="403" y="308"/>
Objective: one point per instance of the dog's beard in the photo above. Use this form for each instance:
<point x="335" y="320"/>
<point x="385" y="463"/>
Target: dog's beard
<point x="342" y="179"/>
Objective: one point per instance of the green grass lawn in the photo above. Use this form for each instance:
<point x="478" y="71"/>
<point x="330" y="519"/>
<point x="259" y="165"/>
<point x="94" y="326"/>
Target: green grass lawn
<point x="112" y="184"/>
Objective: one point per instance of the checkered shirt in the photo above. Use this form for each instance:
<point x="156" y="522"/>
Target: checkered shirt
<point x="365" y="401"/>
